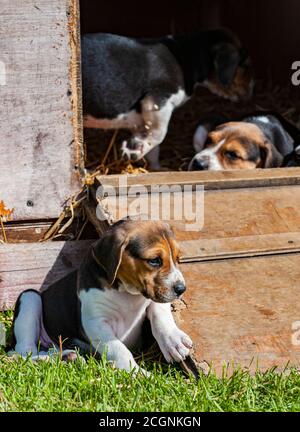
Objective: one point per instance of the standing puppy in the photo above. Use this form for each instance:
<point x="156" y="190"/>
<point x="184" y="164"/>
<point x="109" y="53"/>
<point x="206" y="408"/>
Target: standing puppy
<point x="137" y="83"/>
<point x="131" y="273"/>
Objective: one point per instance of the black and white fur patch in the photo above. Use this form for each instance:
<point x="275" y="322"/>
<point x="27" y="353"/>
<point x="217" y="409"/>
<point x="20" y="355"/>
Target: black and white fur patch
<point x="275" y="129"/>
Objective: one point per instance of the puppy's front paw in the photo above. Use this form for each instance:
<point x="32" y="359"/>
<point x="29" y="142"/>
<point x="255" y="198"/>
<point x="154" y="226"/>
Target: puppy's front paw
<point x="135" y="149"/>
<point x="141" y="372"/>
<point x="175" y="345"/>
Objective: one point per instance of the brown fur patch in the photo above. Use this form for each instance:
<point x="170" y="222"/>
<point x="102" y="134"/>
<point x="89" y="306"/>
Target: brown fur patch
<point x="245" y="140"/>
<point x="146" y="241"/>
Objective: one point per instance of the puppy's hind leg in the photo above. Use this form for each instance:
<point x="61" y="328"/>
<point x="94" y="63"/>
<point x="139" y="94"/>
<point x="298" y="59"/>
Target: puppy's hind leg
<point x="27" y="323"/>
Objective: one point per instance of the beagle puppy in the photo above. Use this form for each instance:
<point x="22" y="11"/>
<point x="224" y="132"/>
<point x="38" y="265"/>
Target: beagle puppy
<point x="261" y="140"/>
<point x="129" y="274"/>
<point x="137" y="83"/>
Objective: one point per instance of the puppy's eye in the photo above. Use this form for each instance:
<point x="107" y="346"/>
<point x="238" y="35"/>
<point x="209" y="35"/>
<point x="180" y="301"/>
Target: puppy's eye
<point x="155" y="262"/>
<point x="232" y="155"/>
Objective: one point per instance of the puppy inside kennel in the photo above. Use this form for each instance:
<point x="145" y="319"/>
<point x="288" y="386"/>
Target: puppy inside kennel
<point x="259" y="87"/>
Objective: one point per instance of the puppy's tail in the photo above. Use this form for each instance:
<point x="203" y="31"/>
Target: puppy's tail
<point x="206" y="125"/>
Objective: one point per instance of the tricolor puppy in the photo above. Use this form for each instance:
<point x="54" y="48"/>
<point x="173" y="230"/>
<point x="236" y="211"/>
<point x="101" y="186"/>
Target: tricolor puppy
<point x="137" y="83"/>
<point x="257" y="141"/>
<point x="131" y="273"/>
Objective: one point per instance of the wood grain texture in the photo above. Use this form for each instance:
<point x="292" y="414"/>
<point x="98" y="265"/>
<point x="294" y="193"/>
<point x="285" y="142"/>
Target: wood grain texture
<point x="226" y="214"/>
<point x="36" y="265"/>
<point x="241" y="311"/>
<point x="39" y="148"/>
<point x="25" y="232"/>
<point x="238" y="247"/>
<point x="210" y="180"/>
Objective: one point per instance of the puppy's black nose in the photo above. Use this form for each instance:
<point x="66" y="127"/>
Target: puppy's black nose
<point x="199" y="165"/>
<point x="179" y="288"/>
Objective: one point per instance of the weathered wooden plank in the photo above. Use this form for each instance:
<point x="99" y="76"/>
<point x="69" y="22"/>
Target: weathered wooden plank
<point x="36" y="265"/>
<point x="25" y="232"/>
<point x="238" y="247"/>
<point x="243" y="311"/>
<point x="247" y="212"/>
<point x="73" y="14"/>
<point x="209" y="179"/>
<point x="39" y="110"/>
<point x="228" y="213"/>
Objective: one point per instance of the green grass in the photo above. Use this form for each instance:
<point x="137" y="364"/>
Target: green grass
<point x="94" y="386"/>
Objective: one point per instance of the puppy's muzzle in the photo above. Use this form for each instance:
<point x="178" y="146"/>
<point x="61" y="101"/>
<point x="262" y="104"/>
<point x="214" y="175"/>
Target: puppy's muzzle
<point x="199" y="164"/>
<point x="179" y="288"/>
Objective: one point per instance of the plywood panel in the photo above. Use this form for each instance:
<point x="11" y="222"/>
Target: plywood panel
<point x="39" y="111"/>
<point x="36" y="265"/>
<point x="238" y="247"/>
<point x="248" y="212"/>
<point x="242" y="311"/>
<point x="211" y="180"/>
<point x="227" y="213"/>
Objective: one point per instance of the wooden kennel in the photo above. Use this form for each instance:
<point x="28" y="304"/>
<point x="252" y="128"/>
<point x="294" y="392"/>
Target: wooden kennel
<point x="243" y="267"/>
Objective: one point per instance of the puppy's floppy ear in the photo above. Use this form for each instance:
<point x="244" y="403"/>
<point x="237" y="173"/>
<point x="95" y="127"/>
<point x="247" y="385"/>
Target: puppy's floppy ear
<point x="270" y="156"/>
<point x="226" y="60"/>
<point x="108" y="251"/>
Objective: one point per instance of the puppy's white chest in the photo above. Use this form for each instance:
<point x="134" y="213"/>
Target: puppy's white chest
<point x="123" y="312"/>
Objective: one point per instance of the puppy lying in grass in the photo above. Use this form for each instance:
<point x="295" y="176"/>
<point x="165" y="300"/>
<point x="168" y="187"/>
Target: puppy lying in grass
<point x="129" y="274"/>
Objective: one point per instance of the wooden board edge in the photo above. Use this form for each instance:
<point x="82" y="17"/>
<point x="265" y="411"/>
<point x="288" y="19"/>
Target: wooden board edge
<point x="210" y="180"/>
<point x="239" y="247"/>
<point x="25" y="231"/>
<point x="73" y="14"/>
<point x="36" y="265"/>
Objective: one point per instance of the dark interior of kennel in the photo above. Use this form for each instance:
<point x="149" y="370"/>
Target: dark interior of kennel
<point x="270" y="31"/>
